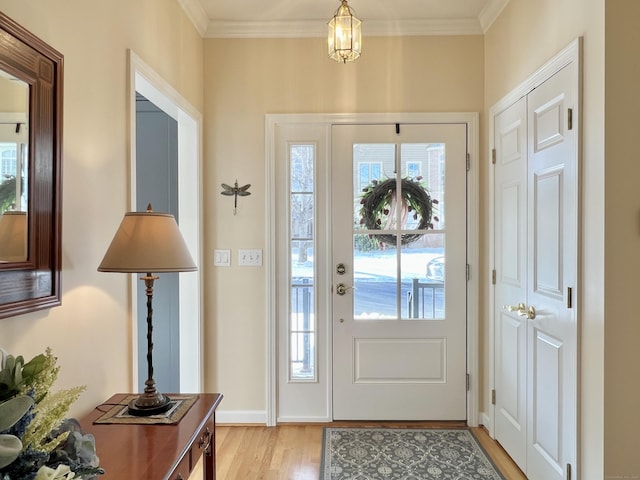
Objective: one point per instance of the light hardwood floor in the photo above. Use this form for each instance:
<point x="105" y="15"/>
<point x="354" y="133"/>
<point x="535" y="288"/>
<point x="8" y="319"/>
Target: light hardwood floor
<point x="293" y="451"/>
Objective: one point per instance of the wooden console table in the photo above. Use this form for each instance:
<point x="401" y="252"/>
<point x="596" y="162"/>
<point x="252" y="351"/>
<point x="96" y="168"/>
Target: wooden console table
<point x="157" y="451"/>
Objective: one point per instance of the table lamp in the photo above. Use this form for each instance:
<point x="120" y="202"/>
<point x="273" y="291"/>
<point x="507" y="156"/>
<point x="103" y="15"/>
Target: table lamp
<point x="148" y="242"/>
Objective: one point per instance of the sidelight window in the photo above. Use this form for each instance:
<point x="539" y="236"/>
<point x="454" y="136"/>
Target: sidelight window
<point x="302" y="326"/>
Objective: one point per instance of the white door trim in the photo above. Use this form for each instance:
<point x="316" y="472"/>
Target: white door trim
<point x="143" y="79"/>
<point x="570" y="54"/>
<point x="472" y="121"/>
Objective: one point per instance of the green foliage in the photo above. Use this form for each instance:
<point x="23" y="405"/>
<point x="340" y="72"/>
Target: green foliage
<point x="40" y="374"/>
<point x="383" y="208"/>
<point x="49" y="414"/>
<point x="36" y="441"/>
<point x="16" y="376"/>
<point x="366" y="243"/>
<point x="13" y="410"/>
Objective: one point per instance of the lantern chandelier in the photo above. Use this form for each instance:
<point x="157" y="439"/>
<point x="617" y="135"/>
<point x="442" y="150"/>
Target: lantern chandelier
<point x="344" y="36"/>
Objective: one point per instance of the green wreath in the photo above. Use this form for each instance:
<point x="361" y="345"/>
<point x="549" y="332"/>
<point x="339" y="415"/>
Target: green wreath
<point x="378" y="200"/>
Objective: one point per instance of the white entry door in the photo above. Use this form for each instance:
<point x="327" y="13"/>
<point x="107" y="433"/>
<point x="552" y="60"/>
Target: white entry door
<point x="536" y="272"/>
<point x="399" y="277"/>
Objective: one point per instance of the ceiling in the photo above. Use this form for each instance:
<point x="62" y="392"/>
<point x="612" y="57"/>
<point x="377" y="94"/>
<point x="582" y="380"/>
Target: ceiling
<point x="308" y="18"/>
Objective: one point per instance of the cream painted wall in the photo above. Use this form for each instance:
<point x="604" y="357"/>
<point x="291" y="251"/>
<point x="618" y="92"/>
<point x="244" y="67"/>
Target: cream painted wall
<point x="246" y="79"/>
<point x="525" y="36"/>
<point x="90" y="332"/>
<point x="622" y="238"/>
<point x="243" y="80"/>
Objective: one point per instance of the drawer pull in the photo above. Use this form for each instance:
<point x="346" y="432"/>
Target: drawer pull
<point x="205" y="440"/>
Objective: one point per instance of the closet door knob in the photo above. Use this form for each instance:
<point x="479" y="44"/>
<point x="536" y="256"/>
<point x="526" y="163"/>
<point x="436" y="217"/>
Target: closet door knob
<point x="515" y="308"/>
<point x="530" y="313"/>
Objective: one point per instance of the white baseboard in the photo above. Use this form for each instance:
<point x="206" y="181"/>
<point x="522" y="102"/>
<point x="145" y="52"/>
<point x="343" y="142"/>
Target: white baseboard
<point x="241" y="416"/>
<point x="260" y="417"/>
<point x="485" y="420"/>
<point x="304" y="420"/>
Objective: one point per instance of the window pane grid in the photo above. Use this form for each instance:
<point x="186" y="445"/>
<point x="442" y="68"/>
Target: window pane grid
<point x="398" y="267"/>
<point x="302" y="314"/>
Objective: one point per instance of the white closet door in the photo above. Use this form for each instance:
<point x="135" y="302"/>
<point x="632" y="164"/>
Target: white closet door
<point x="551" y="268"/>
<point x="536" y="224"/>
<point x="511" y="280"/>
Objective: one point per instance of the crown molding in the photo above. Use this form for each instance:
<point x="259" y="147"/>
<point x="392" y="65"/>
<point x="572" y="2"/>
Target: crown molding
<point x="271" y="29"/>
<point x="197" y="15"/>
<point x="318" y="28"/>
<point x="490" y="12"/>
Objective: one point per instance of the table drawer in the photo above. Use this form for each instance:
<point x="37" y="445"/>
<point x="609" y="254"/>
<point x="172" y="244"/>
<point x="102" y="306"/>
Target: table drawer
<point x="204" y="440"/>
<point x="140" y="451"/>
<point x="183" y="470"/>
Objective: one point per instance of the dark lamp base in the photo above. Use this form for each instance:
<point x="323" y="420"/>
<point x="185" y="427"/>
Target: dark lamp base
<point x="144" y="406"/>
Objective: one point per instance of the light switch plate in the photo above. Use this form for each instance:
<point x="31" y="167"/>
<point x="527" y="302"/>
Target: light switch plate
<point x="250" y="257"/>
<point x="222" y="258"/>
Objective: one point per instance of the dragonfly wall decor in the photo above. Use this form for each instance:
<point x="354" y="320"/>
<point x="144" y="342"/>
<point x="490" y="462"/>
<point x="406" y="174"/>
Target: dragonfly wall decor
<point x="236" y="191"/>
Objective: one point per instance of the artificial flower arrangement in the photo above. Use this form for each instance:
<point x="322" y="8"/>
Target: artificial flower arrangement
<point x="37" y="441"/>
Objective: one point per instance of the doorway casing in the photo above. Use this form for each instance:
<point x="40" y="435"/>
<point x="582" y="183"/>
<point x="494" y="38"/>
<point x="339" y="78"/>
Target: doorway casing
<point x="144" y="80"/>
<point x="272" y="123"/>
<point x="571" y="54"/>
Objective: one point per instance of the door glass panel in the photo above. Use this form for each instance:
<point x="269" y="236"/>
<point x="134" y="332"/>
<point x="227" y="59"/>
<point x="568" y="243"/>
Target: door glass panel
<point x="375" y="278"/>
<point x="399" y="231"/>
<point x="423" y="282"/>
<point x="372" y="163"/>
<point x="423" y="257"/>
<point x="302" y="328"/>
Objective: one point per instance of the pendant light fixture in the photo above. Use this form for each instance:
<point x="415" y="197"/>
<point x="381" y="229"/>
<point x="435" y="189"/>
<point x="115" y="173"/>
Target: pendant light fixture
<point x="344" y="36"/>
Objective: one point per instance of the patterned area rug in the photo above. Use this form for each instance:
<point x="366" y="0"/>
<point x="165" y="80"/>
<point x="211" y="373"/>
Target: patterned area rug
<point x="404" y="454"/>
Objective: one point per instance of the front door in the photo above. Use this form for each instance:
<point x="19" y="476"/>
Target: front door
<point x="399" y="271"/>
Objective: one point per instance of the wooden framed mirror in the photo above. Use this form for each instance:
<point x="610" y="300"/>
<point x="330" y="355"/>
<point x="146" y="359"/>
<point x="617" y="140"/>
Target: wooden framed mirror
<point x="30" y="171"/>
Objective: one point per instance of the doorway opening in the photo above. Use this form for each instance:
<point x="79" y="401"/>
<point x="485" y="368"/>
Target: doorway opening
<point x="188" y="338"/>
<point x="301" y="380"/>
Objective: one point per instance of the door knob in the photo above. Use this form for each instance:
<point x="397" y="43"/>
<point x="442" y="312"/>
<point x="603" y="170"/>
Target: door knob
<point x="341" y="289"/>
<point x="530" y="313"/>
<point x="522" y="310"/>
<point x="515" y="308"/>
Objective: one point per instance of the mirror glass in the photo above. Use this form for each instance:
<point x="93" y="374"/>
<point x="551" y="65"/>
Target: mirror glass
<point x="14" y="168"/>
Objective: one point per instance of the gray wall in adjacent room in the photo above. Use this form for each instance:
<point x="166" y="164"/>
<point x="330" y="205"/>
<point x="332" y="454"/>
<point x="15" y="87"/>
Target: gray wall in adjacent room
<point x="157" y="183"/>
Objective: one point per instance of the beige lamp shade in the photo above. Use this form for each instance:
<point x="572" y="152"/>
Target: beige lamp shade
<point x="147" y="242"/>
<point x="13" y="236"/>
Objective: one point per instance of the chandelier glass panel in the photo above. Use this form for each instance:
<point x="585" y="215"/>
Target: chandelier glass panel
<point x="344" y="36"/>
